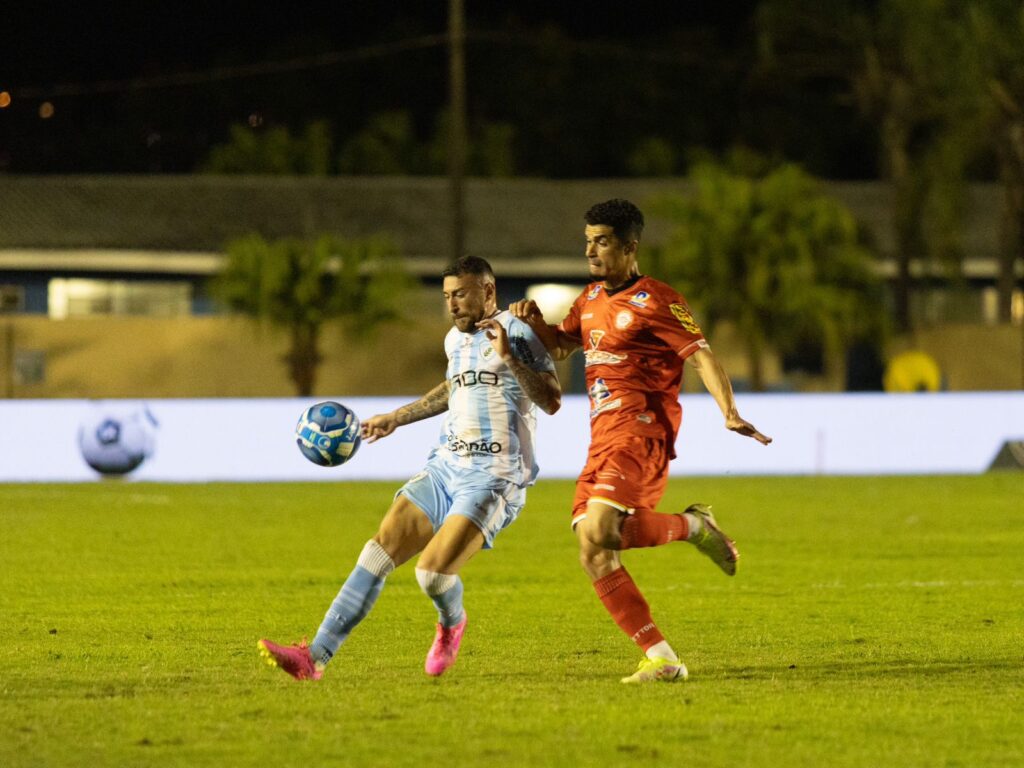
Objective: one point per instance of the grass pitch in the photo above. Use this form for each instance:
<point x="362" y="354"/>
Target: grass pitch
<point x="873" y="622"/>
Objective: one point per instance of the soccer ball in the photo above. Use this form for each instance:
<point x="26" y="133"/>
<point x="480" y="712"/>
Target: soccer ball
<point x="116" y="441"/>
<point x="328" y="434"/>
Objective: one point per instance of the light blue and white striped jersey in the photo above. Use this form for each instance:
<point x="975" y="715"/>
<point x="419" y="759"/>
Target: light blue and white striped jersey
<point x="490" y="423"/>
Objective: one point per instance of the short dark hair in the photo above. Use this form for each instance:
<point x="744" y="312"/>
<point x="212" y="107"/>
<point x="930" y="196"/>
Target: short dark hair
<point x="625" y="219"/>
<point x="469" y="265"/>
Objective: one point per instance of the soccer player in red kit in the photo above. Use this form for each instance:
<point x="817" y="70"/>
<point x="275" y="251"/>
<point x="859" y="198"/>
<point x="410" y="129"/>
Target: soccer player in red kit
<point x="636" y="333"/>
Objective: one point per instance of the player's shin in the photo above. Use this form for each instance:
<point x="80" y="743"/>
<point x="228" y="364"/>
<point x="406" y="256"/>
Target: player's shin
<point x="628" y="608"/>
<point x="354" y="601"/>
<point x="445" y="590"/>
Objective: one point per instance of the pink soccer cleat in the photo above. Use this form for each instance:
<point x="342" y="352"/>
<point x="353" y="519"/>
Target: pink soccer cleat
<point x="293" y="659"/>
<point x="445" y="648"/>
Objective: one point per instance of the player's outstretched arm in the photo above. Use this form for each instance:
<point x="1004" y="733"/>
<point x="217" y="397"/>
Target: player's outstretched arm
<point x="431" y="404"/>
<point x="718" y="385"/>
<point x="541" y="387"/>
<point x="558" y="344"/>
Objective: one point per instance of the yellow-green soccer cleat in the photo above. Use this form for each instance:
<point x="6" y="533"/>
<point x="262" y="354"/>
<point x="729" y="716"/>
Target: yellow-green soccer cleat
<point x="658" y="670"/>
<point x="712" y="541"/>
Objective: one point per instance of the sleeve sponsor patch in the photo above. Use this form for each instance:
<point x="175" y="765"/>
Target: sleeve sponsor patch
<point x="521" y="349"/>
<point x="685" y="318"/>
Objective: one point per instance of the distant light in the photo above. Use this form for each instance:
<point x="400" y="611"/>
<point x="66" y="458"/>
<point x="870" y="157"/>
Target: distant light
<point x="5" y="99"/>
<point x="255" y="119"/>
<point x="553" y="299"/>
<point x="46" y="110"/>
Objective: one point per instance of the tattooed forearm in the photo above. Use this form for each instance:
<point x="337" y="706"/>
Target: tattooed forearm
<point x="543" y="389"/>
<point x="431" y="404"/>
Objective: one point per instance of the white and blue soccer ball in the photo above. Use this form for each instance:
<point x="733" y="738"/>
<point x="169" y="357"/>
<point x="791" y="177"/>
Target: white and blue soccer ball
<point x="328" y="434"/>
<point x="115" y="441"/>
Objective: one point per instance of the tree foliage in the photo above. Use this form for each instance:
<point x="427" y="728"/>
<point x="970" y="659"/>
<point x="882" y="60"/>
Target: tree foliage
<point x="910" y="71"/>
<point x="273" y="151"/>
<point x="653" y="156"/>
<point x="995" y="29"/>
<point x="775" y="256"/>
<point x="301" y="285"/>
<point x="387" y="144"/>
<point x="915" y="82"/>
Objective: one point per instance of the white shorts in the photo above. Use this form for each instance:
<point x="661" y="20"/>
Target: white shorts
<point x="441" y="490"/>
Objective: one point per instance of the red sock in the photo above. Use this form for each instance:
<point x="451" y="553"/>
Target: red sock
<point x="622" y="599"/>
<point x="651" y="529"/>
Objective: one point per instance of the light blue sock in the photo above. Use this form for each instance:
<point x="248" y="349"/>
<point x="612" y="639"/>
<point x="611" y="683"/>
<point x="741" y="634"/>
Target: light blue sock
<point x="445" y="590"/>
<point x="354" y="601"/>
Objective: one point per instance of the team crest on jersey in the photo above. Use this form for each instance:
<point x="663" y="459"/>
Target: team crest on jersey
<point x="624" y="319"/>
<point x="685" y="318"/>
<point x="487" y="350"/>
<point x="595" y="338"/>
<point x="640" y="299"/>
<point x="593" y="293"/>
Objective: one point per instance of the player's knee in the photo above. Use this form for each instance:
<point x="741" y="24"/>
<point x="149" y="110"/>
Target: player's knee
<point x="587" y="558"/>
<point x="433" y="583"/>
<point x="596" y="562"/>
<point x="601" y="530"/>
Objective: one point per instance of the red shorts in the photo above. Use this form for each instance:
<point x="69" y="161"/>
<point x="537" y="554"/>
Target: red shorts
<point x="630" y="474"/>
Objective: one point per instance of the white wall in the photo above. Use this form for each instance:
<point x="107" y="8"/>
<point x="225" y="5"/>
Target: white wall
<point x="252" y="439"/>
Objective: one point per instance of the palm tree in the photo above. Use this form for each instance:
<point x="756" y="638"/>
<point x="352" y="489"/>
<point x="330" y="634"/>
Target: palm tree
<point x="909" y="67"/>
<point x="774" y="255"/>
<point x="913" y="82"/>
<point x="300" y="285"/>
<point x="996" y="29"/>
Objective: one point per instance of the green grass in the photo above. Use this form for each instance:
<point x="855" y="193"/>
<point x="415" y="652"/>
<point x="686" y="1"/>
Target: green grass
<point x="873" y="622"/>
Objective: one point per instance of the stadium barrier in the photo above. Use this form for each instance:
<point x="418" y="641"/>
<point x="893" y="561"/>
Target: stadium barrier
<point x="253" y="439"/>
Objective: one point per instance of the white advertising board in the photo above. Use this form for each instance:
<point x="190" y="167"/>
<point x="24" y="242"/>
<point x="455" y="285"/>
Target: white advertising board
<point x="252" y="439"/>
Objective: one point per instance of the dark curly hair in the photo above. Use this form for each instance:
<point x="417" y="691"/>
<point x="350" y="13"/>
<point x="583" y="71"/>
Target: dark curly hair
<point x="625" y="219"/>
<point x="469" y="265"/>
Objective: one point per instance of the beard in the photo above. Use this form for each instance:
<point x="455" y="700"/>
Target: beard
<point x="465" y="323"/>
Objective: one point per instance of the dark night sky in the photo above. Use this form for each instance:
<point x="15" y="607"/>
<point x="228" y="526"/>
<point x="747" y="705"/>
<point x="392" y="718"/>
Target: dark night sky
<point x="47" y="43"/>
<point x="104" y="67"/>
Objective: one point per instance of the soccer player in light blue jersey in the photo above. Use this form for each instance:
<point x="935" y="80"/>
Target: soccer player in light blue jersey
<point x="474" y="482"/>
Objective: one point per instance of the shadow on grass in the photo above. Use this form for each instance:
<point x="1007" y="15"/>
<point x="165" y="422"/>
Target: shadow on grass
<point x="853" y="669"/>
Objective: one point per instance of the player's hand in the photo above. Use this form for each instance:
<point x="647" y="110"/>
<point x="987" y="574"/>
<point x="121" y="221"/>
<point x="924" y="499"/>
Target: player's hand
<point x="745" y="428"/>
<point x="379" y="426"/>
<point x="498" y="337"/>
<point x="527" y="311"/>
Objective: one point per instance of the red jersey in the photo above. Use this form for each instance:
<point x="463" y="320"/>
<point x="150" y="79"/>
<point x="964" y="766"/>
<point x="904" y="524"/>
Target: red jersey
<point x="634" y="341"/>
